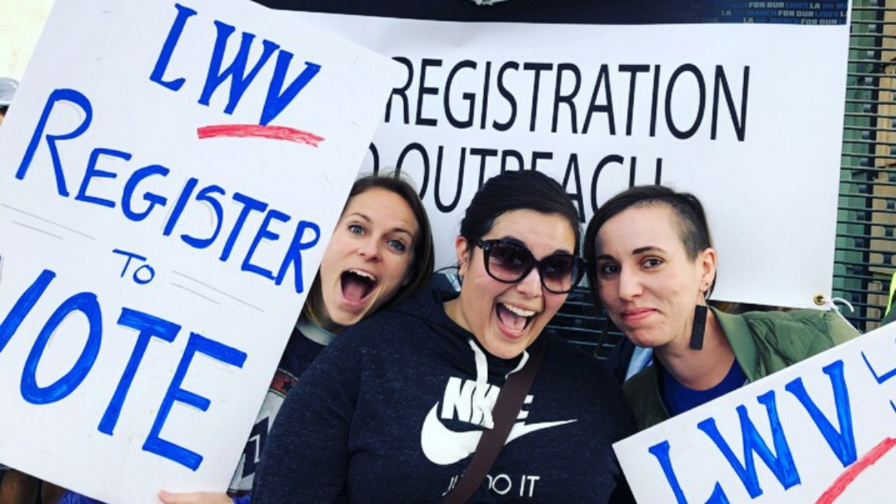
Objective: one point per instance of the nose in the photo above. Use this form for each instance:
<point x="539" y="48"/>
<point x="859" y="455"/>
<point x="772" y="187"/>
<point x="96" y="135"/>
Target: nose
<point x="629" y="285"/>
<point x="369" y="249"/>
<point x="530" y="285"/>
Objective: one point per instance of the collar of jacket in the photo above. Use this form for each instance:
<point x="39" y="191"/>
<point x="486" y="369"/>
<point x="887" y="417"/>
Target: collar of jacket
<point x="651" y="409"/>
<point x="737" y="332"/>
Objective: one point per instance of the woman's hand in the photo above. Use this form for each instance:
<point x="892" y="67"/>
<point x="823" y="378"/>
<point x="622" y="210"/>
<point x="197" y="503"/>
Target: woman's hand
<point x="194" y="498"/>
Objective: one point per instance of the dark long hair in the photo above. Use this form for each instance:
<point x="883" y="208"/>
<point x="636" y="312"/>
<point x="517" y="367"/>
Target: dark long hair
<point x="693" y="228"/>
<point x="424" y="256"/>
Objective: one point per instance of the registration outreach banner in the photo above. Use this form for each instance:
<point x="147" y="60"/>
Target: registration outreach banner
<point x="738" y="102"/>
<point x="171" y="172"/>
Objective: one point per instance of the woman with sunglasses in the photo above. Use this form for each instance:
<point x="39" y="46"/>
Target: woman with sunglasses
<point x="652" y="267"/>
<point x="394" y="409"/>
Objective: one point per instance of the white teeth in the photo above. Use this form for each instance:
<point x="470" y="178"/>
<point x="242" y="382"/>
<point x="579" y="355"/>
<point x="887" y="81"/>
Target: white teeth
<point x="519" y="311"/>
<point x="363" y="274"/>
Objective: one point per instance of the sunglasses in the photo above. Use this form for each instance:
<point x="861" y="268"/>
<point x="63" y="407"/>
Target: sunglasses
<point x="510" y="262"/>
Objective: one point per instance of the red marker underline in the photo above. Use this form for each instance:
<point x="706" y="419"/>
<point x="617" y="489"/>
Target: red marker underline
<point x="256" y="131"/>
<point x="853" y="472"/>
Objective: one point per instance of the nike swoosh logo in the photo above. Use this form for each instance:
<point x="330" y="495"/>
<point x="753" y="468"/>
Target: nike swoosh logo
<point x="443" y="446"/>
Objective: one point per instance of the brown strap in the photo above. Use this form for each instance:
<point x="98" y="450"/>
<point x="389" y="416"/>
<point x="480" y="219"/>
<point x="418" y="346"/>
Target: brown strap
<point x="506" y="409"/>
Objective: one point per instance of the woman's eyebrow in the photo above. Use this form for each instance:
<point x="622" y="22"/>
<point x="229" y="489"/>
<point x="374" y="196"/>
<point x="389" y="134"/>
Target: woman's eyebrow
<point x="358" y="214"/>
<point x="521" y="243"/>
<point x="366" y="218"/>
<point x="402" y="230"/>
<point x="649" y="248"/>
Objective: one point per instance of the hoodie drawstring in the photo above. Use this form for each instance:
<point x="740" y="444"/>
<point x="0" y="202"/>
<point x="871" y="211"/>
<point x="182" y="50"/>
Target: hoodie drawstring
<point x="479" y="397"/>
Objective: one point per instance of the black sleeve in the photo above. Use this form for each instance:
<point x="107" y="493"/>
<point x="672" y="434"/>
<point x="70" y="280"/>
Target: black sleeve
<point x="623" y="425"/>
<point x="306" y="455"/>
<point x="622" y="494"/>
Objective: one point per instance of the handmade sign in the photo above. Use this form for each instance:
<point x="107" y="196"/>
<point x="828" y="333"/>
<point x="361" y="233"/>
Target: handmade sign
<point x="821" y="431"/>
<point x="739" y="102"/>
<point x="170" y="176"/>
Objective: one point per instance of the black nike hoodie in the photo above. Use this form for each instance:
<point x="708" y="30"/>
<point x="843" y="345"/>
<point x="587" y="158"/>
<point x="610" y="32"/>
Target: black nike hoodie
<point x="391" y="412"/>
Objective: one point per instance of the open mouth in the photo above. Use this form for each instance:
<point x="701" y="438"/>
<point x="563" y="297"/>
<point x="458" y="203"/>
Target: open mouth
<point x="357" y="285"/>
<point x="513" y="318"/>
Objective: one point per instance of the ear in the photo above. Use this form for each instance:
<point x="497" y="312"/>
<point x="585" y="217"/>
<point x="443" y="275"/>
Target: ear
<point x="460" y="246"/>
<point x="707" y="260"/>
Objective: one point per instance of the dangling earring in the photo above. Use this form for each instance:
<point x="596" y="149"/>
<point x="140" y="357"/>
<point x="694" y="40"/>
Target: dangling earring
<point x="699" y="327"/>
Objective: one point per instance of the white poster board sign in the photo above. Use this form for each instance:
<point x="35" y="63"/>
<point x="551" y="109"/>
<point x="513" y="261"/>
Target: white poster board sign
<point x="171" y="173"/>
<point x="820" y="432"/>
<point x="747" y="116"/>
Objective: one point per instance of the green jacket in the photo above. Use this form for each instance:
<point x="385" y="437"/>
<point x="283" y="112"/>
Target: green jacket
<point x="763" y="343"/>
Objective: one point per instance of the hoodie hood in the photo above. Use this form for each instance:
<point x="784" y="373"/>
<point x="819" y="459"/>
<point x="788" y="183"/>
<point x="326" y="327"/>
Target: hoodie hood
<point x="459" y="345"/>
